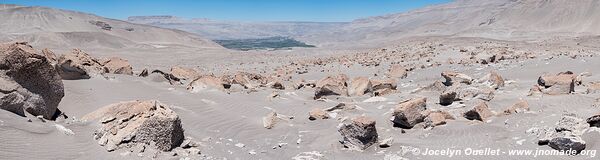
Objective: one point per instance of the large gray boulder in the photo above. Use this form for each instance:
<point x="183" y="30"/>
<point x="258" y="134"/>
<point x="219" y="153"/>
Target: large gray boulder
<point x="128" y="124"/>
<point x="28" y="82"/>
<point x="359" y="134"/>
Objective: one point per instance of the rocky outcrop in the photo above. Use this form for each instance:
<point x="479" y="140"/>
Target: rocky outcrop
<point x="408" y="114"/>
<point x="78" y="65"/>
<point x="127" y="124"/>
<point x="332" y="85"/>
<point x="28" y="82"/>
<point x="359" y="134"/>
<point x="561" y="83"/>
<point x="359" y="86"/>
<point x="480" y="112"/>
<point x="116" y="65"/>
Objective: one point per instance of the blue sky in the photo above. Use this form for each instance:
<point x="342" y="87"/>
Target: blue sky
<point x="240" y="10"/>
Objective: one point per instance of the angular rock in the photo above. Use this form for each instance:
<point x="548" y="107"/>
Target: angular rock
<point x="480" y="112"/>
<point x="383" y="87"/>
<point x="360" y="86"/>
<point x="568" y="142"/>
<point x="50" y="56"/>
<point x="331" y="85"/>
<point x="437" y="118"/>
<point x="468" y="93"/>
<point x="519" y="107"/>
<point x="594" y="121"/>
<point x="206" y="83"/>
<point x="397" y="71"/>
<point x="409" y="113"/>
<point x="561" y="83"/>
<point x="447" y="98"/>
<point x="28" y="82"/>
<point x="127" y="124"/>
<point x="317" y="113"/>
<point x="493" y="79"/>
<point x="360" y="134"/>
<point x="249" y="80"/>
<point x="455" y="77"/>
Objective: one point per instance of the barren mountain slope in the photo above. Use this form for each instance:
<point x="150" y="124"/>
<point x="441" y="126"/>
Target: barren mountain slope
<point x="54" y="28"/>
<point x="497" y="19"/>
<point x="215" y="29"/>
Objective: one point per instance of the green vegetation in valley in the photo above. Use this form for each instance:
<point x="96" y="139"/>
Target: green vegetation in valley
<point x="262" y="43"/>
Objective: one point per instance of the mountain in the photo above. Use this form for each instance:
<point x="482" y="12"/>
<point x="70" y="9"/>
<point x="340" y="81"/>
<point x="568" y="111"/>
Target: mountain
<point x="55" y="28"/>
<point x="227" y="30"/>
<point x="496" y="19"/>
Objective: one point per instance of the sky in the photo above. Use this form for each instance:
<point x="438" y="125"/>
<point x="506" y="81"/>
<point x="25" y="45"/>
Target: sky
<point x="238" y="10"/>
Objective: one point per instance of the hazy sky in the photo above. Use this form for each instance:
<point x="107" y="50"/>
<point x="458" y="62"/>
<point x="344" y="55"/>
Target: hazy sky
<point x="244" y="10"/>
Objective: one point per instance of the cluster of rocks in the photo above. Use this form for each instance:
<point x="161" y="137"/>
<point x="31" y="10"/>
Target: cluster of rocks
<point x="134" y="125"/>
<point x="80" y="65"/>
<point x="102" y="25"/>
<point x="565" y="135"/>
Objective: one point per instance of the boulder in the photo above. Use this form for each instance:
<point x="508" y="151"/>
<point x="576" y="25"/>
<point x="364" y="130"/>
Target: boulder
<point x="359" y="134"/>
<point x="480" y="112"/>
<point x="116" y="65"/>
<point x="78" y="65"/>
<point x="272" y="118"/>
<point x="519" y="107"/>
<point x="455" y="77"/>
<point x="206" y="83"/>
<point x="28" y="82"/>
<point x="571" y="123"/>
<point x="567" y="143"/>
<point x="561" y="83"/>
<point x="331" y="85"/>
<point x="408" y="114"/>
<point x="317" y="113"/>
<point x="184" y="73"/>
<point x="360" y="86"/>
<point x="397" y="71"/>
<point x="127" y="124"/>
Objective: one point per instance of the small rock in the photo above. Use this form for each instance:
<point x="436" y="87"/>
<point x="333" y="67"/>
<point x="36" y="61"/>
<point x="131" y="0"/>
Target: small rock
<point x="480" y="112"/>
